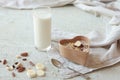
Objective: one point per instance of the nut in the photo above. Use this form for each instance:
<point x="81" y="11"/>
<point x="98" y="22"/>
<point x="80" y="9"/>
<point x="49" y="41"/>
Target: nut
<point x="24" y="54"/>
<point x="40" y="66"/>
<point x="9" y="68"/>
<point x="41" y="73"/>
<point x="31" y="73"/>
<point x="21" y="69"/>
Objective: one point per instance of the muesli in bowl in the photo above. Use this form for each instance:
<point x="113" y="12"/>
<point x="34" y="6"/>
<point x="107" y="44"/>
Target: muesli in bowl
<point x="76" y="49"/>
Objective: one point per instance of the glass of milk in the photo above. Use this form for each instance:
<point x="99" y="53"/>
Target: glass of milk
<point x="42" y="28"/>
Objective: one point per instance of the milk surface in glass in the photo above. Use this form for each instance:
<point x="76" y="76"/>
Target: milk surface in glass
<point x="42" y="29"/>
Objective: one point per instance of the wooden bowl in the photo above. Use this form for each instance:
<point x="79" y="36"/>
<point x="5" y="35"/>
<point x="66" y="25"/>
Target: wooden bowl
<point x="73" y="55"/>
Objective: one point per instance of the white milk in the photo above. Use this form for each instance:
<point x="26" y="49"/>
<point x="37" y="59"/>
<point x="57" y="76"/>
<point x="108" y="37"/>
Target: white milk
<point x="42" y="31"/>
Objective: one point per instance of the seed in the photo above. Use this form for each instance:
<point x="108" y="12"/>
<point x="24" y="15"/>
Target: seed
<point x="13" y="66"/>
<point x="18" y="56"/>
<point x="24" y="59"/>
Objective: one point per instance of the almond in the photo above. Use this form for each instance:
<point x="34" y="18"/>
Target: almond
<point x="24" y="54"/>
<point x="21" y="69"/>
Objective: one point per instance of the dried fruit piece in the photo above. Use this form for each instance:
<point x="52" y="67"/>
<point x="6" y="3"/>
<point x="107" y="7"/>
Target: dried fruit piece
<point x="40" y="66"/>
<point x="24" y="54"/>
<point x="13" y="74"/>
<point x="77" y="43"/>
<point x="31" y="63"/>
<point x="41" y="73"/>
<point x="4" y="61"/>
<point x="31" y="73"/>
<point x="81" y="46"/>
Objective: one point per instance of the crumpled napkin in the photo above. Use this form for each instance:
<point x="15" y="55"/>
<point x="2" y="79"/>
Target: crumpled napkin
<point x="29" y="4"/>
<point x="104" y="51"/>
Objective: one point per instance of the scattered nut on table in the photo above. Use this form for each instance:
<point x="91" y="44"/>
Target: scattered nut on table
<point x="18" y="56"/>
<point x="24" y="54"/>
<point x="40" y="68"/>
<point x="9" y="68"/>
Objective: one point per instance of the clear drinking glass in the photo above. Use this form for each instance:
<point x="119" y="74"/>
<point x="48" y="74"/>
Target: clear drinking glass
<point x="42" y="28"/>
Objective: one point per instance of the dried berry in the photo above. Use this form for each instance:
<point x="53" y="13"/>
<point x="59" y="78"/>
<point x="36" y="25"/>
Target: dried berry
<point x="24" y="54"/>
<point x="24" y="59"/>
<point x="13" y="66"/>
<point x="4" y="61"/>
<point x="16" y="63"/>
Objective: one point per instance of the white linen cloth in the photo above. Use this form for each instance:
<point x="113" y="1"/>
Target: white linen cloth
<point x="28" y="4"/>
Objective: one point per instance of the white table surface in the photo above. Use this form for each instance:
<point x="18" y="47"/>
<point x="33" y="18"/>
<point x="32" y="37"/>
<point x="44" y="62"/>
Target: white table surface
<point x="16" y="36"/>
